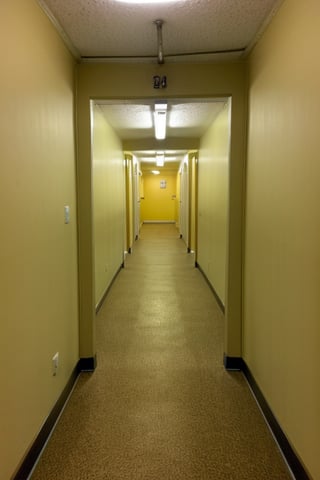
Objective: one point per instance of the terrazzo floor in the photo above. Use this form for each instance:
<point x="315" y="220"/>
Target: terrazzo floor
<point x="160" y="405"/>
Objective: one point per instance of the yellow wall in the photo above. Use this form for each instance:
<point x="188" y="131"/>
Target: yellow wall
<point x="177" y="201"/>
<point x="108" y="202"/>
<point x="193" y="161"/>
<point x="158" y="204"/>
<point x="184" y="205"/>
<point x="282" y="269"/>
<point x="129" y="202"/>
<point x="213" y="194"/>
<point x="38" y="256"/>
<point x="128" y="81"/>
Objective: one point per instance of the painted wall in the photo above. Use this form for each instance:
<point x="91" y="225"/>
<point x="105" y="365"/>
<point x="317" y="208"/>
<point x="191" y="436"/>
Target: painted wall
<point x="129" y="202"/>
<point x="38" y="254"/>
<point x="193" y="161"/>
<point x="184" y="206"/>
<point x="213" y="195"/>
<point x="158" y="204"/>
<point x="282" y="268"/>
<point x="108" y="201"/>
<point x="177" y="201"/>
<point x="127" y="81"/>
<point x="136" y="195"/>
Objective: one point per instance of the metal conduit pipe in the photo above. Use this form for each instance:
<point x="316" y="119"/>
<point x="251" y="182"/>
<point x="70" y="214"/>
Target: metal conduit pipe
<point x="159" y="24"/>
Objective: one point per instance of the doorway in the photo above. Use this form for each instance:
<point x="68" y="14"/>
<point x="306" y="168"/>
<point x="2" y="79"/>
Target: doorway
<point x="131" y="144"/>
<point x="150" y="191"/>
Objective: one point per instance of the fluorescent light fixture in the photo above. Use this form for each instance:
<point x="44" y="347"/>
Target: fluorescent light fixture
<point x="160" y="159"/>
<point x="160" y="106"/>
<point x="155" y="172"/>
<point x="160" y="120"/>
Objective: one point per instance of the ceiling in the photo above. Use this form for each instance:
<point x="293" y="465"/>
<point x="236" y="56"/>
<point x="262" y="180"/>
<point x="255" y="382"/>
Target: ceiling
<point x="192" y="31"/>
<point x="204" y="30"/>
<point x="185" y="118"/>
<point x="187" y="121"/>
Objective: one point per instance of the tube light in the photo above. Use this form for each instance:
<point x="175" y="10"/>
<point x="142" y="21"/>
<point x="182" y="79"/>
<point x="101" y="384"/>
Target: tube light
<point x="160" y="120"/>
<point x="160" y="159"/>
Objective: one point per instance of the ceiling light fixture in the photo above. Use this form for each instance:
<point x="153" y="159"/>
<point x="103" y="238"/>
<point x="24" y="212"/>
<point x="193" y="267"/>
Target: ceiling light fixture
<point x="160" y="159"/>
<point x="155" y="172"/>
<point x="160" y="120"/>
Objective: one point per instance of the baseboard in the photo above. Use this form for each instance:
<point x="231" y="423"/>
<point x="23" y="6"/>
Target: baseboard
<point x="222" y="308"/>
<point x="32" y="455"/>
<point x="288" y="452"/>
<point x="87" y="364"/>
<point x="232" y="363"/>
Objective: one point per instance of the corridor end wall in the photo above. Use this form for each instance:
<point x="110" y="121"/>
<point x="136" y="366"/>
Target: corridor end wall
<point x="158" y="203"/>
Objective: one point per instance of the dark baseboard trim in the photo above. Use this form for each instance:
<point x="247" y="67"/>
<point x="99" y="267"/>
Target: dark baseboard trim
<point x="232" y="363"/>
<point x="99" y="305"/>
<point x="87" y="364"/>
<point x="289" y="454"/>
<point x="212" y="288"/>
<point x="35" y="450"/>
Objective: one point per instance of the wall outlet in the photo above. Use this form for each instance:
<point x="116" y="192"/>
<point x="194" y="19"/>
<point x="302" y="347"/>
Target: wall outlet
<point x="55" y="363"/>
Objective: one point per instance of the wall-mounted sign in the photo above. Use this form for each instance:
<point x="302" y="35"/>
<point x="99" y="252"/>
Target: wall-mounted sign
<point x="163" y="183"/>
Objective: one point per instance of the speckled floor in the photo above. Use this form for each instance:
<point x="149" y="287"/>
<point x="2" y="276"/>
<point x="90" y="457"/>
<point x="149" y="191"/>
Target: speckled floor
<point x="160" y="404"/>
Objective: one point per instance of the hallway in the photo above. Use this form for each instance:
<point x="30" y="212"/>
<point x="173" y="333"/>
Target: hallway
<point x="160" y="404"/>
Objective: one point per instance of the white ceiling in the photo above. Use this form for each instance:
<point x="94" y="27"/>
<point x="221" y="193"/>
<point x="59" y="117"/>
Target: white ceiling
<point x="133" y="120"/>
<point x="193" y="31"/>
<point x="113" y="29"/>
<point x="185" y="118"/>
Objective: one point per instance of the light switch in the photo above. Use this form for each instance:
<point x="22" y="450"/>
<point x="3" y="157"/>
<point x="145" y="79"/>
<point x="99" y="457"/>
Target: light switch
<point x="66" y="214"/>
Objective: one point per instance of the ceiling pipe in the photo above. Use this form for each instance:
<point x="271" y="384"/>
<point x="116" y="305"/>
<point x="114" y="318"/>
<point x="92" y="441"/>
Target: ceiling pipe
<point x="159" y="24"/>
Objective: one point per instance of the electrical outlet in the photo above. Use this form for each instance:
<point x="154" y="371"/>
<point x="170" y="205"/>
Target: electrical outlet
<point x="55" y="363"/>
